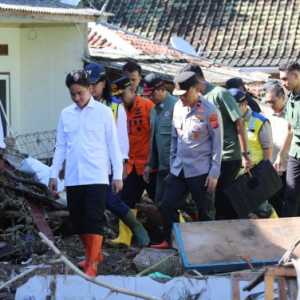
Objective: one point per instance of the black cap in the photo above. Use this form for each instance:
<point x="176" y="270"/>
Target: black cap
<point x="118" y="86"/>
<point x="152" y="82"/>
<point x="183" y="82"/>
<point x="238" y="95"/>
<point x="235" y="83"/>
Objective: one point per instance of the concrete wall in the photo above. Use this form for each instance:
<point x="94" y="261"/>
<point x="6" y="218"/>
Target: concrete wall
<point x="12" y="64"/>
<point x="39" y="58"/>
<point x="47" y="54"/>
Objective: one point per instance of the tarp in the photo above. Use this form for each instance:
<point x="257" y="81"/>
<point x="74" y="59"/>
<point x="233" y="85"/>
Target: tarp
<point x="71" y="287"/>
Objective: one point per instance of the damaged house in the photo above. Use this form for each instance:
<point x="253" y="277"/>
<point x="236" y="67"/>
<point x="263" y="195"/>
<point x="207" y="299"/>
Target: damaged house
<point x="40" y="41"/>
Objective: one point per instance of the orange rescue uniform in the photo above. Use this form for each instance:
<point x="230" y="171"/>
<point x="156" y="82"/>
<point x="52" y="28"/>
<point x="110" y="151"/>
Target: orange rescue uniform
<point x="139" y="133"/>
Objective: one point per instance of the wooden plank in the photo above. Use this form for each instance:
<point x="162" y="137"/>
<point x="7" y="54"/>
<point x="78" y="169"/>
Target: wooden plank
<point x="38" y="216"/>
<point x="282" y="288"/>
<point x="236" y="278"/>
<point x="269" y="280"/>
<point x="281" y="271"/>
<point x="234" y="244"/>
<point x="235" y="288"/>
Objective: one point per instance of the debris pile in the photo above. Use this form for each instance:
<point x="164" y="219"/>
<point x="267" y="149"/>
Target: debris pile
<point x="23" y="201"/>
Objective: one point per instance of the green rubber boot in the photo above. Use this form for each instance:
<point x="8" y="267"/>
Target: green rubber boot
<point x="138" y="230"/>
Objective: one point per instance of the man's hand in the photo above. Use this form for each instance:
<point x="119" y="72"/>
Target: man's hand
<point x="117" y="186"/>
<point x="211" y="184"/>
<point x="247" y="163"/>
<point x="146" y="175"/>
<point x="53" y="187"/>
<point x="278" y="164"/>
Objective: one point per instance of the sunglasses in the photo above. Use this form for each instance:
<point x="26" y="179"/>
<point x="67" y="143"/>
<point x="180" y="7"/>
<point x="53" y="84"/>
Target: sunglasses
<point x="79" y="75"/>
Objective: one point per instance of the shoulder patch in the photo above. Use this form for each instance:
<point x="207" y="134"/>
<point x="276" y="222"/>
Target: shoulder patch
<point x="213" y="120"/>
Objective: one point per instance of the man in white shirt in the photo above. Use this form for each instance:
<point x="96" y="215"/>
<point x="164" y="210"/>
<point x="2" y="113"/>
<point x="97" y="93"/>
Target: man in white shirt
<point x="274" y="109"/>
<point x="87" y="142"/>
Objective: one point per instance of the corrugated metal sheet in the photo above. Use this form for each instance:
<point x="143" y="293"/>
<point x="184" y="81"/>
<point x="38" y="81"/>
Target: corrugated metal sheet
<point x="217" y="75"/>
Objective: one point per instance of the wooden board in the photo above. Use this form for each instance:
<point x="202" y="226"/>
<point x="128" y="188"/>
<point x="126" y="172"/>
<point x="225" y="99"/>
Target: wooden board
<point x="221" y="246"/>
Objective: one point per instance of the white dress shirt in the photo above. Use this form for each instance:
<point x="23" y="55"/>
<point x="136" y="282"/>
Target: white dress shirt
<point x="280" y="130"/>
<point x="87" y="141"/>
<point x="122" y="131"/>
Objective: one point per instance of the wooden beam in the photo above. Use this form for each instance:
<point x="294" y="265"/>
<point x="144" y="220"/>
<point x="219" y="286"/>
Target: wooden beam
<point x="281" y="271"/>
<point x="282" y="288"/>
<point x="269" y="280"/>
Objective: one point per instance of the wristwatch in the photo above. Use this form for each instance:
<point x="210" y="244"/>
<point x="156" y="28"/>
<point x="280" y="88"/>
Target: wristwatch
<point x="245" y="154"/>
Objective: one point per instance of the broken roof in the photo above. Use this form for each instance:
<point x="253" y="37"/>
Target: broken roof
<point x="112" y="44"/>
<point x="242" y="33"/>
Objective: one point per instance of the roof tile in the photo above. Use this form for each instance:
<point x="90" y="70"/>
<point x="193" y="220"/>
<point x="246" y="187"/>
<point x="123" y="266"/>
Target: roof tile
<point x="237" y="32"/>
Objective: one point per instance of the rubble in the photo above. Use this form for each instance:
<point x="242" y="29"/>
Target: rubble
<point x="27" y="207"/>
<point x="153" y="260"/>
<point x="19" y="192"/>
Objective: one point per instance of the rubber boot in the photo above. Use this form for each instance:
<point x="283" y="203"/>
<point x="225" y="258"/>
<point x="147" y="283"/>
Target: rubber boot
<point x="83" y="239"/>
<point x="130" y="225"/>
<point x="140" y="233"/>
<point x="125" y="235"/>
<point x="181" y="217"/>
<point x="94" y="242"/>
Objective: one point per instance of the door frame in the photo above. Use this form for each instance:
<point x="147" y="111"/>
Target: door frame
<point x="6" y="76"/>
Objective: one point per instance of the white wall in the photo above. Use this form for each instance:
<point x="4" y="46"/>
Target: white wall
<point x="48" y="53"/>
<point x="11" y="64"/>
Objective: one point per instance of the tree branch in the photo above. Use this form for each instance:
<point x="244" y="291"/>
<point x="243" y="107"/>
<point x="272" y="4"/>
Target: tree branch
<point x="69" y="264"/>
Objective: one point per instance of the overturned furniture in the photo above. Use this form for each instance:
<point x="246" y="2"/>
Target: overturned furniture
<point x="225" y="246"/>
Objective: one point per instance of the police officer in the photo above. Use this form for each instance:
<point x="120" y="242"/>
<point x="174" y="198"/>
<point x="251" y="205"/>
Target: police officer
<point x="161" y="126"/>
<point x="290" y="78"/>
<point x="235" y="151"/>
<point x="195" y="160"/>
